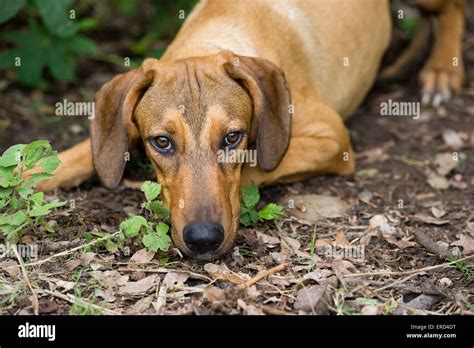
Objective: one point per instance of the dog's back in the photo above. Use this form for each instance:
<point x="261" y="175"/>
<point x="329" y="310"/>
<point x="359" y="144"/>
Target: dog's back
<point x="316" y="38"/>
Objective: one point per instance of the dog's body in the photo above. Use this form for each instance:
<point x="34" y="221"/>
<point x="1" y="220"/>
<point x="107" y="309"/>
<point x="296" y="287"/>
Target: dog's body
<point x="329" y="51"/>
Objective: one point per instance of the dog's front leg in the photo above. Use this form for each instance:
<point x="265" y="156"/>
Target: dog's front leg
<point x="320" y="144"/>
<point x="75" y="167"/>
<point x="443" y="73"/>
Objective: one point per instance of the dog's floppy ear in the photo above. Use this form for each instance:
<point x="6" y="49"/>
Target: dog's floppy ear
<point x="112" y="127"/>
<point x="267" y="87"/>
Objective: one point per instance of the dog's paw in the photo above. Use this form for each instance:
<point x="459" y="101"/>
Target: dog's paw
<point x="438" y="84"/>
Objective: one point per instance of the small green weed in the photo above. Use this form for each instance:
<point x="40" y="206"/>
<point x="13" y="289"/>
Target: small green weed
<point x="21" y="207"/>
<point x="465" y="268"/>
<point x="83" y="306"/>
<point x="249" y="214"/>
<point x="154" y="236"/>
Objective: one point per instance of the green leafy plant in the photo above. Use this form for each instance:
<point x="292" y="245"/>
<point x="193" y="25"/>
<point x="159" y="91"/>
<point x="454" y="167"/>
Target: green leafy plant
<point x="83" y="306"/>
<point x="467" y="269"/>
<point x="153" y="235"/>
<point x="110" y="245"/>
<point x="249" y="214"/>
<point x="169" y="15"/>
<point x="52" y="44"/>
<point x="20" y="206"/>
<point x="409" y="26"/>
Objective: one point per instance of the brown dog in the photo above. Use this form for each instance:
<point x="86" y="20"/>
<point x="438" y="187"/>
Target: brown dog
<point x="225" y="82"/>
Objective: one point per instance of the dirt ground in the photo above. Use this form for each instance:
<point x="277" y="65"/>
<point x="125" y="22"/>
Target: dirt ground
<point x="407" y="208"/>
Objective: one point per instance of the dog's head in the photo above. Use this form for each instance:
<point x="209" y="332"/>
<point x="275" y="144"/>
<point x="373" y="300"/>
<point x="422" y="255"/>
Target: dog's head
<point x="189" y="115"/>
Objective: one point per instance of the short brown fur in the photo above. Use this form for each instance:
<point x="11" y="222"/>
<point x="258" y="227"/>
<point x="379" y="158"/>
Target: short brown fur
<point x="249" y="66"/>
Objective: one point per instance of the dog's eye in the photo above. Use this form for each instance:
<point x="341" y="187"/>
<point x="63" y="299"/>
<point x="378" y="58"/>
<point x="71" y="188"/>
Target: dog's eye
<point x="232" y="139"/>
<point x="162" y="144"/>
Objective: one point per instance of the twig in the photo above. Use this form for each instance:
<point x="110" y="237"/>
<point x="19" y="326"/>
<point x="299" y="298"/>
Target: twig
<point x="420" y="270"/>
<point x="409" y="161"/>
<point x="161" y="301"/>
<point x="262" y="275"/>
<point x="73" y="299"/>
<point x="66" y="252"/>
<point x="395" y="283"/>
<point x="273" y="311"/>
<point x="165" y="270"/>
<point x="34" y="298"/>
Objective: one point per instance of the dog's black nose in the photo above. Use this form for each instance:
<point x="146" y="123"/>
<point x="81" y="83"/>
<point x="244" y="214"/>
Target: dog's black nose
<point x="203" y="237"/>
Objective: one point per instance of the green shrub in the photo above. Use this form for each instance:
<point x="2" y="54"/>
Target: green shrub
<point x="152" y="234"/>
<point x="249" y="214"/>
<point x="20" y="206"/>
<point x="53" y="43"/>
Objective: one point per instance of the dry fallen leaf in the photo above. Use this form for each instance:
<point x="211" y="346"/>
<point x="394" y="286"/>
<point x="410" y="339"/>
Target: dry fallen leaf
<point x="439" y="248"/>
<point x="267" y="239"/>
<point x="222" y="272"/>
<point x="317" y="207"/>
<point x="46" y="306"/>
<point x="73" y="264"/>
<point x="341" y="239"/>
<point x="65" y="285"/>
<point x="6" y="289"/>
<point x="365" y="196"/>
<point x="213" y="294"/>
<point x="378" y="154"/>
<point x="340" y="269"/>
<point x="366" y="238"/>
<point x="293" y="243"/>
<point x="381" y="222"/>
<point x="253" y="292"/>
<point x="438" y="212"/>
<point x="438" y="182"/>
<point x="253" y="310"/>
<point x="279" y="257"/>
<point x="377" y="220"/>
<point x="95" y="266"/>
<point x="445" y="282"/>
<point x="139" y="287"/>
<point x="108" y="295"/>
<point x="312" y="299"/>
<point x="470" y="228"/>
<point x="467" y="243"/>
<point x="452" y="139"/>
<point x="321" y="243"/>
<point x="371" y="310"/>
<point x="444" y="163"/>
<point x="86" y="258"/>
<point x="110" y="278"/>
<point x="278" y="280"/>
<point x="423" y="302"/>
<point x="141" y="305"/>
<point x="238" y="258"/>
<point x="318" y="275"/>
<point x="175" y="278"/>
<point x="142" y="256"/>
<point x="402" y="243"/>
<point x="11" y="267"/>
<point x="249" y="309"/>
<point x="430" y="220"/>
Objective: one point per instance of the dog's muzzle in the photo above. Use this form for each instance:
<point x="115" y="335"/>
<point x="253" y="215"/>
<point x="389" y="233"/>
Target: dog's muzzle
<point x="203" y="238"/>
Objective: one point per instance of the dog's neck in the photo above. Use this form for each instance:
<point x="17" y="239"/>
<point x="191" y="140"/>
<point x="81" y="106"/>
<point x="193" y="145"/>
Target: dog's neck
<point x="217" y="35"/>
